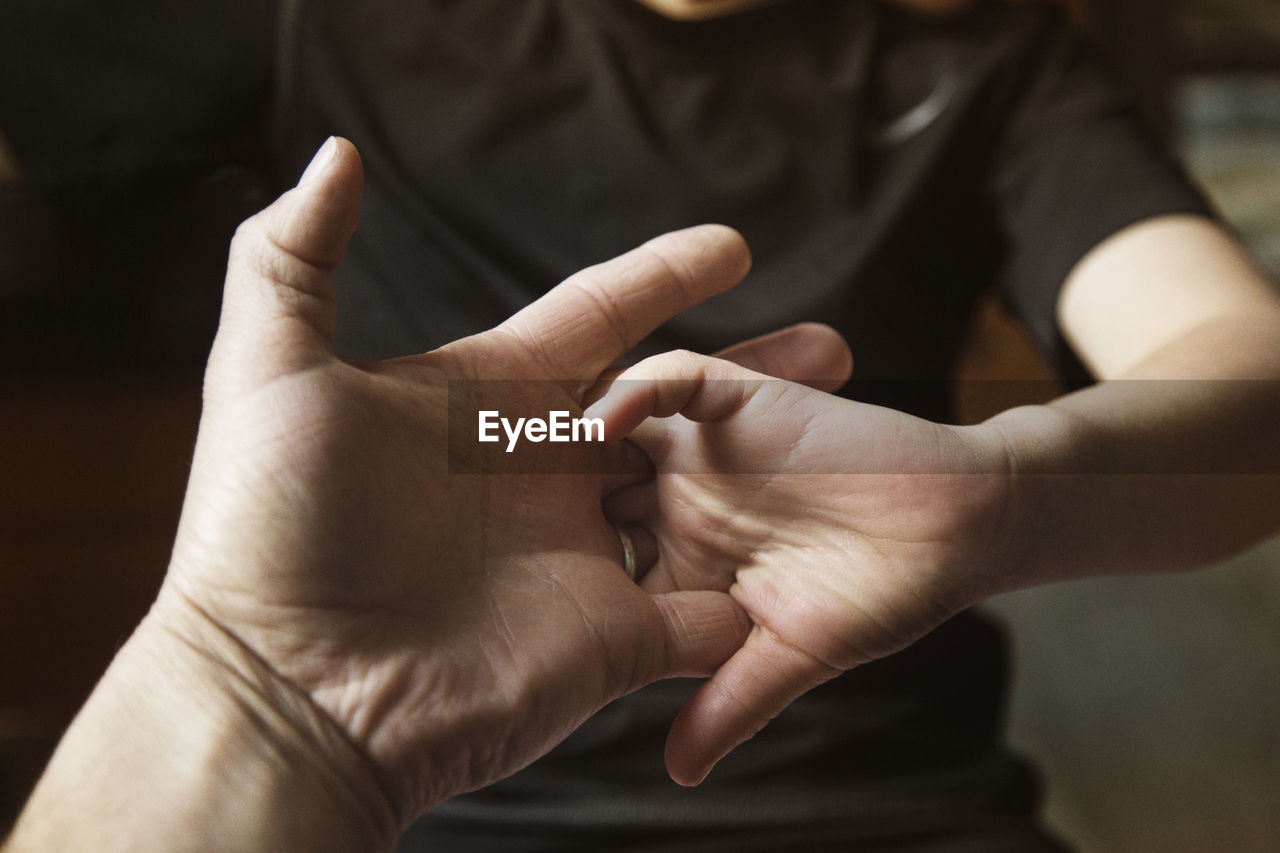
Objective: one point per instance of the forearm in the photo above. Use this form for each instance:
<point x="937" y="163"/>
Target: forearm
<point x="1147" y="472"/>
<point x="188" y="744"/>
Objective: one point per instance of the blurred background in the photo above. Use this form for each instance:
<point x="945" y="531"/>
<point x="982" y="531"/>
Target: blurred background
<point x="1151" y="704"/>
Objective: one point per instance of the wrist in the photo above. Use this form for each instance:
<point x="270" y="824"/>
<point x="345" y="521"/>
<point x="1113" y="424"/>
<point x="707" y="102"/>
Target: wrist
<point x="190" y="742"/>
<point x="1043" y="451"/>
<point x="322" y="788"/>
<point x="982" y="497"/>
<point x="970" y="500"/>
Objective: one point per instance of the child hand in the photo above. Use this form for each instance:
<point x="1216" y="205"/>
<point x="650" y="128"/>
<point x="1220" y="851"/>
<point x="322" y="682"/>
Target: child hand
<point x="846" y="531"/>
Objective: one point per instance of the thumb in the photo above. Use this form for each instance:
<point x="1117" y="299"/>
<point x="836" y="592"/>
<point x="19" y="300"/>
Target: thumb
<point x="752" y="688"/>
<point x="279" y="305"/>
<point x="688" y="634"/>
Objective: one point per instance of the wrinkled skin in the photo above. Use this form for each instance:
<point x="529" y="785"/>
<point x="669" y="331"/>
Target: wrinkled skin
<point x="452" y="626"/>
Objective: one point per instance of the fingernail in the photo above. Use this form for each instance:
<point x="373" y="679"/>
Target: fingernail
<point x="596" y="409"/>
<point x="604" y="409"/>
<point x="320" y="162"/>
<point x="696" y="781"/>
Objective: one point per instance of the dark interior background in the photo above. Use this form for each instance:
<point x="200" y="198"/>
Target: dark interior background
<point x="1151" y="705"/>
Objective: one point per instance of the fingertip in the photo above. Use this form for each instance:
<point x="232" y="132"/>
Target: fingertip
<point x="279" y="307"/>
<point x="830" y="340"/>
<point x="606" y="409"/>
<point x="692" y="780"/>
<point x="732" y="241"/>
<point x="687" y="777"/>
<point x="735" y="704"/>
<point x="346" y="157"/>
<point x="717" y="256"/>
<point x="812" y="354"/>
<point x="734" y="246"/>
<point x="623" y="407"/>
<point x="591" y="319"/>
<point x="685" y="765"/>
<point x="325" y="206"/>
<point x="335" y="157"/>
<point x="832" y="357"/>
<point x="321" y="163"/>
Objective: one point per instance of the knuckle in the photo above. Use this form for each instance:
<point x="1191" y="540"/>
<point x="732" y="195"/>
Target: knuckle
<point x="606" y="306"/>
<point x="254" y="251"/>
<point x="674" y="268"/>
<point x="673" y="364"/>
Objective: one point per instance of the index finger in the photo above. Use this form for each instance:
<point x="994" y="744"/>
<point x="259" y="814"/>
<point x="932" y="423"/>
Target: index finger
<point x="700" y="387"/>
<point x="591" y="318"/>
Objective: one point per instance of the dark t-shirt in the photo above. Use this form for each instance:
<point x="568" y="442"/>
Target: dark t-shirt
<point x="885" y="170"/>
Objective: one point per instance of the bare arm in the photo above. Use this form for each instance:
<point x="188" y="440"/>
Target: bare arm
<point x="1172" y="460"/>
<point x="190" y="742"/>
<point x="848" y="531"/>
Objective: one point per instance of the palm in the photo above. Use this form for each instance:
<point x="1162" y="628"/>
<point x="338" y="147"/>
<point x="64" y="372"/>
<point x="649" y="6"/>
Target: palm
<point x="837" y="554"/>
<point x="845" y="531"/>
<point x="381" y="571"/>
<point x="351" y="585"/>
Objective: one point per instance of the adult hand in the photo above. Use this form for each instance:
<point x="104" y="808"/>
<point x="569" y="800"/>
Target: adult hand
<point x="366" y="610"/>
<point x="452" y="626"/>
<point x="846" y="531"/>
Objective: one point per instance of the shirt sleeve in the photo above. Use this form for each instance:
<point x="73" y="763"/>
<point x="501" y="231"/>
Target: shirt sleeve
<point x="1075" y="164"/>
